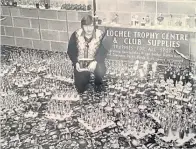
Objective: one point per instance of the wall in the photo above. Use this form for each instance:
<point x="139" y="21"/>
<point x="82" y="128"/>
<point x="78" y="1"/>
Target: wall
<point x="39" y="29"/>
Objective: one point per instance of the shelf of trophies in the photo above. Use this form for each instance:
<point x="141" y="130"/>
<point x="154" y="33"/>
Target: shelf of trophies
<point x="163" y="21"/>
<point x="49" y="4"/>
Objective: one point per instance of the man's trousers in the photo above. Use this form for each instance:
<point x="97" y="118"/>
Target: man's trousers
<point x="82" y="79"/>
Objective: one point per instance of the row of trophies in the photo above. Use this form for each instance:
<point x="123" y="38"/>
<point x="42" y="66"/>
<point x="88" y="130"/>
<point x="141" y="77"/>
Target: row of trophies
<point x="60" y="69"/>
<point x="138" y="69"/>
<point x="59" y="110"/>
<point x="137" y="126"/>
<point x="47" y="4"/>
<point x="171" y="21"/>
<point x="42" y="88"/>
<point x="66" y="94"/>
<point x="24" y="79"/>
<point x="95" y="119"/>
<point x="8" y="3"/>
<point x="180" y="92"/>
<point x="25" y="3"/>
<point x="76" y="7"/>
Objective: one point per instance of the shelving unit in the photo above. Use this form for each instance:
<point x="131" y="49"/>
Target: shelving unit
<point x="127" y="8"/>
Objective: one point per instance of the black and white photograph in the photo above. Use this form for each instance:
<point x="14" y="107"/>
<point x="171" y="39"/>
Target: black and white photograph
<point x="98" y="74"/>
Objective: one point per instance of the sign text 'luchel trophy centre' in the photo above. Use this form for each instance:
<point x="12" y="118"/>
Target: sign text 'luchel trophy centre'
<point x="158" y="39"/>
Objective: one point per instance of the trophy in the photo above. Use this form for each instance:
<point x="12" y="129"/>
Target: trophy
<point x="143" y="22"/>
<point x="170" y="20"/>
<point x="160" y="19"/>
<point x="84" y="63"/>
<point x="148" y="20"/>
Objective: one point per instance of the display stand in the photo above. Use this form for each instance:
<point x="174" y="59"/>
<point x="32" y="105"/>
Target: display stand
<point x="31" y="114"/>
<point x="58" y="116"/>
<point x="67" y="98"/>
<point x="60" y="78"/>
<point x="96" y="129"/>
<point x="179" y="141"/>
<point x="136" y="134"/>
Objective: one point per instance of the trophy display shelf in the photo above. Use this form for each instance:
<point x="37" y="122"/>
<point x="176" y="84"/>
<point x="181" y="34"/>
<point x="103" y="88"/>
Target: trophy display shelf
<point x="40" y="7"/>
<point x="52" y="7"/>
<point x="98" y="127"/>
<point x="184" y="96"/>
<point x="172" y="98"/>
<point x="138" y="135"/>
<point x="23" y="83"/>
<point x="40" y="95"/>
<point x="95" y="120"/>
<point x="37" y="70"/>
<point x="157" y="27"/>
<point x="60" y="78"/>
<point x="36" y="94"/>
<point x="58" y="110"/>
<point x="60" y="117"/>
<point x="68" y="97"/>
<point x="177" y="139"/>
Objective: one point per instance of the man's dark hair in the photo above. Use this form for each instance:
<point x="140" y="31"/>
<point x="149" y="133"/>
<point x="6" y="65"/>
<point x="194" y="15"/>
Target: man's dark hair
<point x="86" y="20"/>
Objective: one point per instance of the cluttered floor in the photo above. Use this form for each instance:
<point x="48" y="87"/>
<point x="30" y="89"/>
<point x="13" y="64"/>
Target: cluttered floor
<point x="137" y="107"/>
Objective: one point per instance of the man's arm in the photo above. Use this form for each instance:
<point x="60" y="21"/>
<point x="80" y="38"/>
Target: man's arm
<point x="73" y="50"/>
<point x="103" y="50"/>
<point x="101" y="54"/>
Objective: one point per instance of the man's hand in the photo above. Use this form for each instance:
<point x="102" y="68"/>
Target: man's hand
<point x="92" y="66"/>
<point x="78" y="67"/>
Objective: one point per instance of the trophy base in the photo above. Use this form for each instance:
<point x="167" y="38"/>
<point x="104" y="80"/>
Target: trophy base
<point x="58" y="116"/>
<point x="101" y="127"/>
<point x="66" y="98"/>
<point x="136" y="134"/>
<point x="31" y="114"/>
<point x="179" y="141"/>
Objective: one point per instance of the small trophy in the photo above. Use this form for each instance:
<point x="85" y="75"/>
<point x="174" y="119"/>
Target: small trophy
<point x="143" y="22"/>
<point x="160" y="19"/>
<point x="148" y="20"/>
<point x="84" y="63"/>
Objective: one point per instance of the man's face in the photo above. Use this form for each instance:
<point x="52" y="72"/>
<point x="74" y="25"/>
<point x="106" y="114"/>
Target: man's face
<point x="88" y="29"/>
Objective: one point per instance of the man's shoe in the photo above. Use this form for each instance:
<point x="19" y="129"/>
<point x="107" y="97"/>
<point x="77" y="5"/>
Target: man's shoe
<point x="98" y="88"/>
